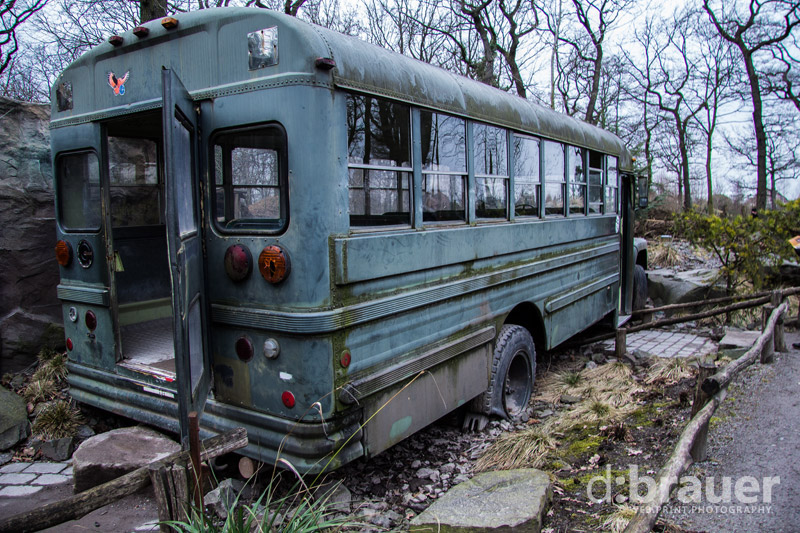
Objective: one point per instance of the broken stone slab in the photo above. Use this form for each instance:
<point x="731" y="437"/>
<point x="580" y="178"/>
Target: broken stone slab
<point x="14" y="424"/>
<point x="739" y="339"/>
<point x="56" y="449"/>
<point x="335" y="495"/>
<point x="223" y="498"/>
<point x="112" y="454"/>
<point x="502" y="501"/>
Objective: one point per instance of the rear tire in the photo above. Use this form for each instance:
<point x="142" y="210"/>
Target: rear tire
<point x="639" y="288"/>
<point x="513" y="373"/>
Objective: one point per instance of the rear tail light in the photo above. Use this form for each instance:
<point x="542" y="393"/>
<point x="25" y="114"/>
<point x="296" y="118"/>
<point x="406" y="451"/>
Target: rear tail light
<point x="238" y="262"/>
<point x="91" y="320"/>
<point x="244" y="349"/>
<point x="63" y="253"/>
<point x="273" y="263"/>
<point x="288" y="399"/>
<point x="69" y="344"/>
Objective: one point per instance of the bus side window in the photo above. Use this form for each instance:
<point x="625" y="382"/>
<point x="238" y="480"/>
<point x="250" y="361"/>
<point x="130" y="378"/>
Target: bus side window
<point x="444" y="167"/>
<point x="577" y="181"/>
<point x="250" y="181"/>
<point x="379" y="161"/>
<point x="78" y="188"/>
<point x="526" y="176"/>
<point x="596" y="182"/>
<point x="612" y="185"/>
<point x="554" y="167"/>
<point x="491" y="172"/>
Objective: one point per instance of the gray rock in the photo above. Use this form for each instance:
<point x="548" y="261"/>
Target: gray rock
<point x="84" y="432"/>
<point x="225" y="496"/>
<point x="667" y="286"/>
<point x="57" y="449"/>
<point x="503" y="501"/>
<point x="570" y="399"/>
<point x="739" y="339"/>
<point x="28" y="279"/>
<point x="14" y="424"/>
<point x="590" y="365"/>
<point x="428" y="473"/>
<point x="5" y="458"/>
<point x="544" y="413"/>
<point x="109" y="455"/>
<point x="336" y="496"/>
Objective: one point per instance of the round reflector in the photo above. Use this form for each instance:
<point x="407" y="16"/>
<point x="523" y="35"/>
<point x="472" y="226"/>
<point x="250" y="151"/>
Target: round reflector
<point x="85" y="254"/>
<point x="273" y="263"/>
<point x="63" y="253"/>
<point x="238" y="262"/>
<point x="69" y="344"/>
<point x="288" y="399"/>
<point x="345" y="359"/>
<point x="244" y="349"/>
<point x="91" y="320"/>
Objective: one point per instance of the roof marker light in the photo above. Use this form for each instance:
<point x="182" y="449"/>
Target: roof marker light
<point x="169" y="22"/>
<point x="141" y="32"/>
<point x="325" y="63"/>
<point x="116" y="40"/>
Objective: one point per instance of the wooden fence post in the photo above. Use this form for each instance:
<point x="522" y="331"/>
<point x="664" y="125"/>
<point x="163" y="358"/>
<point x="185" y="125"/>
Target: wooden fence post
<point x="619" y="344"/>
<point x="780" y="340"/>
<point x="768" y="351"/>
<point x="699" y="450"/>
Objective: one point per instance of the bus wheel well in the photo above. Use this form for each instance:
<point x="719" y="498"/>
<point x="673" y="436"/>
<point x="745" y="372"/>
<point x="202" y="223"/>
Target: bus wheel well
<point x="641" y="259"/>
<point x="528" y="316"/>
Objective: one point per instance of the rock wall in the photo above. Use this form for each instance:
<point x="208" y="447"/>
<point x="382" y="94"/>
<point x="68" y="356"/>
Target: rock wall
<point x="30" y="313"/>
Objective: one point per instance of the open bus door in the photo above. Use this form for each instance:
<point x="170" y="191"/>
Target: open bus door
<point x="627" y="257"/>
<point x="185" y="246"/>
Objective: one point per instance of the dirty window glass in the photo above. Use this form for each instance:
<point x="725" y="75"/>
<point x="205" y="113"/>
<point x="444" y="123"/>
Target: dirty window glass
<point x="526" y="177"/>
<point x="137" y="197"/>
<point x="444" y="167"/>
<point x="613" y="185"/>
<point x="250" y="190"/>
<point x="379" y="161"/>
<point x="554" y="167"/>
<point x="491" y="171"/>
<point x="576" y="171"/>
<point x="78" y="183"/>
<point x="596" y="182"/>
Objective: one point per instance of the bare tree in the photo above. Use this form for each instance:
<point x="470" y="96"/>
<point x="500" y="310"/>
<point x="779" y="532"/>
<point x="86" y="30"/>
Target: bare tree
<point x="762" y="25"/>
<point x="13" y="14"/>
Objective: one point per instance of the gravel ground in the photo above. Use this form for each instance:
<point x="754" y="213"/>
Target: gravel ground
<point x="755" y="434"/>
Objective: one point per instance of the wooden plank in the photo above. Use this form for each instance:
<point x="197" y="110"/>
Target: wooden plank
<point x="81" y="504"/>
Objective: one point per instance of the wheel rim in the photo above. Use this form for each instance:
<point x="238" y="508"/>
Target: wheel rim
<point x="517" y="385"/>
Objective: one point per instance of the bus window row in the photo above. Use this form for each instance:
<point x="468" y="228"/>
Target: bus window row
<point x="505" y="168"/>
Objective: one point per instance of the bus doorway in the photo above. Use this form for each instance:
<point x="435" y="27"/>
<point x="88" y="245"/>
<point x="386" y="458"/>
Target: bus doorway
<point x="155" y="247"/>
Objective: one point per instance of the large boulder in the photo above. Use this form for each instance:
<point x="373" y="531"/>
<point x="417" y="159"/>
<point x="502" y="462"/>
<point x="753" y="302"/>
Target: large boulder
<point x="14" y="425"/>
<point x="29" y="276"/>
<point x="503" y="501"/>
<point x="112" y="454"/>
<point x="667" y="286"/>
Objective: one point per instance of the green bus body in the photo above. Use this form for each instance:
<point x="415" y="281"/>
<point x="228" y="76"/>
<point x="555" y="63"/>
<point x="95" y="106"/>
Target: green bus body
<point x="385" y="322"/>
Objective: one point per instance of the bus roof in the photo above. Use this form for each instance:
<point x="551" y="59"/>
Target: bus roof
<point x="209" y="51"/>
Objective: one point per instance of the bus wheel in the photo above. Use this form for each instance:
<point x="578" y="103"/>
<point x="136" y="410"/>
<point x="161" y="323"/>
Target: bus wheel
<point x="513" y="371"/>
<point x="639" y="288"/>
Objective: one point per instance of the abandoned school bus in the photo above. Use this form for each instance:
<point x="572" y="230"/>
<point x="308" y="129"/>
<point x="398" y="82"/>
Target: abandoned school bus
<point x="324" y="242"/>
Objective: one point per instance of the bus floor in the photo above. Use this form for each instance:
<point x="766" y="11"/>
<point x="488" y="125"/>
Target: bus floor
<point x="149" y="343"/>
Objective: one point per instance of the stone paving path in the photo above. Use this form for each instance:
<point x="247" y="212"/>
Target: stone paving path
<point x="662" y="343"/>
<point x="25" y="479"/>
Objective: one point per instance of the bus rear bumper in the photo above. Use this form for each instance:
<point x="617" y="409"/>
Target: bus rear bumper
<point x="309" y="447"/>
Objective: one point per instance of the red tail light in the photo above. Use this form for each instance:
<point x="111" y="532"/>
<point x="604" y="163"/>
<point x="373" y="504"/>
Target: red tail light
<point x="69" y="344"/>
<point x="244" y="349"/>
<point x="238" y="262"/>
<point x="91" y="320"/>
<point x="288" y="399"/>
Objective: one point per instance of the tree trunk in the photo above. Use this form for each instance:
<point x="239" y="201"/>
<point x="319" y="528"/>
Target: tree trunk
<point x="598" y="67"/>
<point x="758" y="125"/>
<point x="709" y="183"/>
<point x="152" y="9"/>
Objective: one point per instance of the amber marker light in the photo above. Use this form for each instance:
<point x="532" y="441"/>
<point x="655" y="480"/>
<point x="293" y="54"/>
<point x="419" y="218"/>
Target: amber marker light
<point x="169" y="22"/>
<point x="288" y="399"/>
<point x="63" y="253"/>
<point x="273" y="263"/>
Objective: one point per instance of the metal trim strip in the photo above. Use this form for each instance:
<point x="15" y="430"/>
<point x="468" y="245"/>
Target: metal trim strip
<point x="553" y="305"/>
<point x="336" y="319"/>
<point x="87" y="295"/>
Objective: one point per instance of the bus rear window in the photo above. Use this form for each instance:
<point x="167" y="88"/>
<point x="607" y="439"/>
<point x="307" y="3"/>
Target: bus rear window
<point x="250" y="182"/>
<point x="78" y="184"/>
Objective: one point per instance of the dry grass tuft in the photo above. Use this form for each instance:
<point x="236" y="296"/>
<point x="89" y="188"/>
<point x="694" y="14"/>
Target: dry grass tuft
<point x="57" y="420"/>
<point x="40" y="390"/>
<point x="53" y="368"/>
<point x="668" y="371"/>
<point x="619" y="519"/>
<point x="663" y="254"/>
<point x="528" y="448"/>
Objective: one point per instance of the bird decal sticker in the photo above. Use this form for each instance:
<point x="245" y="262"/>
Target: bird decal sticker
<point x="118" y="84"/>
